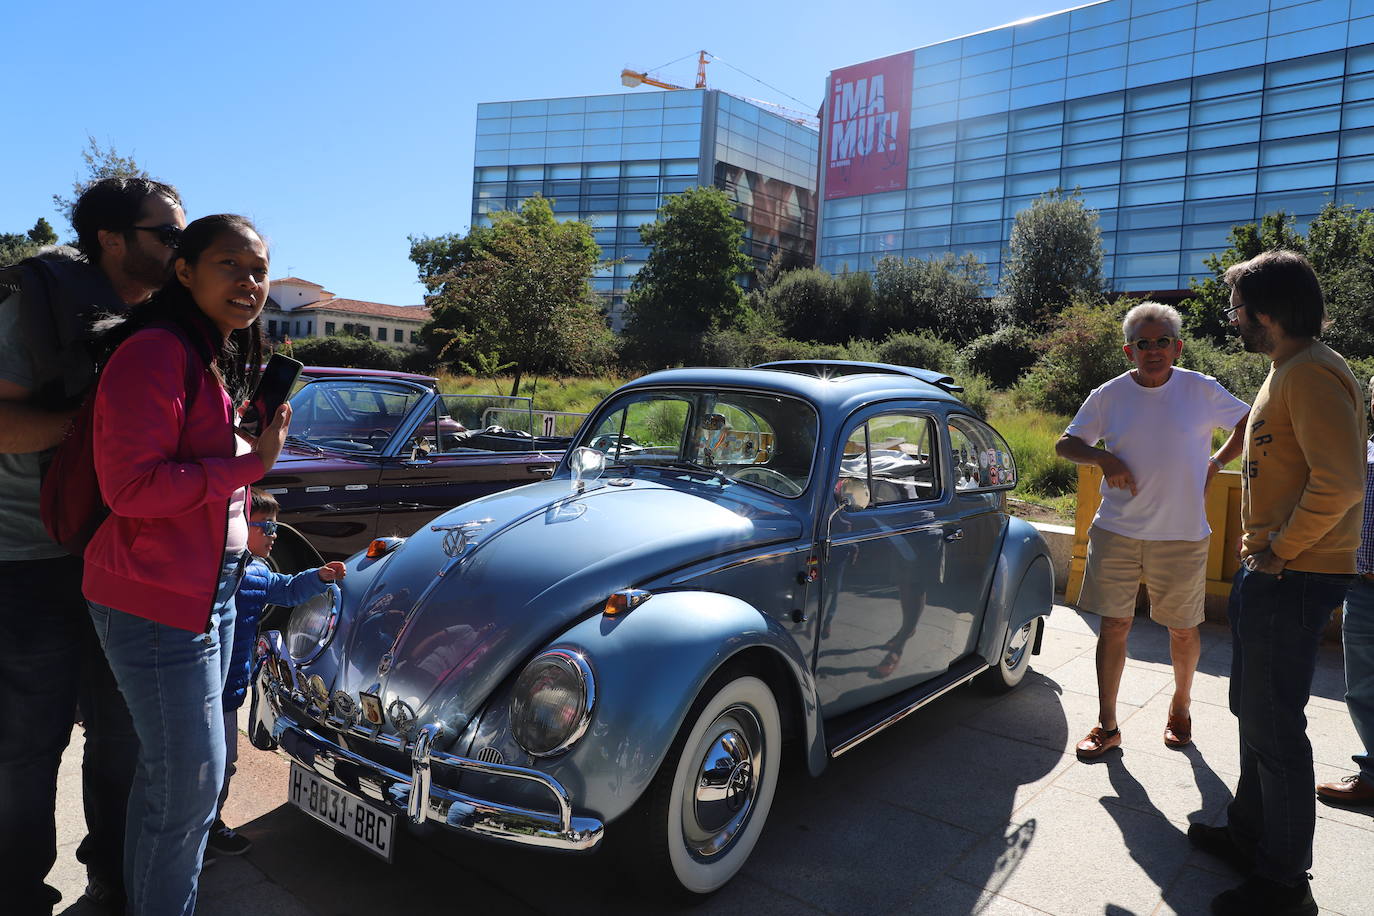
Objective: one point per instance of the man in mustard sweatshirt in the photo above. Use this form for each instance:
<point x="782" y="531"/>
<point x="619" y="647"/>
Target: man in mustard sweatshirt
<point x="1301" y="507"/>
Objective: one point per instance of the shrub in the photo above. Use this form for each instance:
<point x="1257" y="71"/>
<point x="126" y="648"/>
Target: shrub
<point x="1239" y="372"/>
<point x="977" y="393"/>
<point x="1081" y="351"/>
<point x="347" y="352"/>
<point x="920" y="349"/>
<point x="1002" y="356"/>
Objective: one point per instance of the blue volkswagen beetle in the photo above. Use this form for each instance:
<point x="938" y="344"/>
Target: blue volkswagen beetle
<point x="749" y="561"/>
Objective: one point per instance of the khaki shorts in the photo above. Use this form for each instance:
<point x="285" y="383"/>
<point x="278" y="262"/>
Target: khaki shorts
<point x="1175" y="572"/>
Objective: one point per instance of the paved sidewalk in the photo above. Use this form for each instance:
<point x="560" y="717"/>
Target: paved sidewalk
<point x="975" y="804"/>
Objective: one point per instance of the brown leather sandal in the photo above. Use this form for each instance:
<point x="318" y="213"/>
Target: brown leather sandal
<point x="1098" y="742"/>
<point x="1178" y="732"/>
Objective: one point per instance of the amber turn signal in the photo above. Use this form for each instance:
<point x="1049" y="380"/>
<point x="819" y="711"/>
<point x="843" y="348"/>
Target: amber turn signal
<point x="625" y="600"/>
<point x="383" y="546"/>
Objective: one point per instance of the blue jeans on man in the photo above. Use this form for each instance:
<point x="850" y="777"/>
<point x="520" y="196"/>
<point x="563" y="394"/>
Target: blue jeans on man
<point x="49" y="662"/>
<point x="173" y="681"/>
<point x="1357" y="637"/>
<point x="1276" y="626"/>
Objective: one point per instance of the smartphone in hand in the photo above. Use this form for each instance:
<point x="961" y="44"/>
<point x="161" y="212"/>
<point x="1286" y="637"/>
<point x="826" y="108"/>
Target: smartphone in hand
<point x="274" y="386"/>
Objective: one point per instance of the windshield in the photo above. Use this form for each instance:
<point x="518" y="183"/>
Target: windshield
<point x="762" y="439"/>
<point x="358" y="416"/>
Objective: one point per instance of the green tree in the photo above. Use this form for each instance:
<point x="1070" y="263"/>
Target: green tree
<point x="515" y="294"/>
<point x="941" y="295"/>
<point x="1055" y="258"/>
<point x="1204" y="311"/>
<point x="688" y="286"/>
<point x="15" y="246"/>
<point x="345" y="351"/>
<point x="100" y="163"/>
<point x="1081" y="351"/>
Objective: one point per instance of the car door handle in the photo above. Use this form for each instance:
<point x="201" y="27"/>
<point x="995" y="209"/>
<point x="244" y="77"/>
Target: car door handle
<point x="956" y="535"/>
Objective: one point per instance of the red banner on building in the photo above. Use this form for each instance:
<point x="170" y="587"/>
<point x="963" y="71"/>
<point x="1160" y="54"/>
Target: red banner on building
<point x="867" y="123"/>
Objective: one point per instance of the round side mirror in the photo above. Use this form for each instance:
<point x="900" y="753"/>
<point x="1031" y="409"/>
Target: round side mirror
<point x="852" y="493"/>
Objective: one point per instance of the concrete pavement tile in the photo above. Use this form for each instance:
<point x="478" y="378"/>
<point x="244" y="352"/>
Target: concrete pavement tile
<point x="968" y="778"/>
<point x="1043" y="713"/>
<point x="230" y="875"/>
<point x="854" y="855"/>
<point x="1138" y="684"/>
<point x="1212" y="688"/>
<point x="1332" y="735"/>
<point x="1180" y="787"/>
<point x="1070" y="619"/>
<point x="1194" y="888"/>
<point x="1069" y="854"/>
<point x="1060" y="647"/>
<point x="948" y="897"/>
<point x="263" y="899"/>
<point x="69" y="875"/>
<point x="1215" y="733"/>
<point x="1341" y="857"/>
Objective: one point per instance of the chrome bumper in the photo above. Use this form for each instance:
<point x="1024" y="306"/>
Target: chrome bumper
<point x="414" y="793"/>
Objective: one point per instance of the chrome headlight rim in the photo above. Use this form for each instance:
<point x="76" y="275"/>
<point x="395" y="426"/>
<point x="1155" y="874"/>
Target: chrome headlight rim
<point x="323" y="639"/>
<point x="574" y="662"/>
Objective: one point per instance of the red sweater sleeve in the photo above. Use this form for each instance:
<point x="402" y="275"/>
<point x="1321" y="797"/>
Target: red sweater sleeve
<point x="140" y="412"/>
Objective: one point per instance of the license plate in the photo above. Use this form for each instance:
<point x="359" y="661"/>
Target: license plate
<point x="344" y="812"/>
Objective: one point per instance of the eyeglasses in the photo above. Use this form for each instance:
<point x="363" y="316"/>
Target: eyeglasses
<point x="167" y="234"/>
<point x="268" y="528"/>
<point x="1231" y="311"/>
<point x="1155" y="343"/>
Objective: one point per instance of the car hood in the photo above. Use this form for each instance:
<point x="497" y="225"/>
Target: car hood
<point x="439" y="633"/>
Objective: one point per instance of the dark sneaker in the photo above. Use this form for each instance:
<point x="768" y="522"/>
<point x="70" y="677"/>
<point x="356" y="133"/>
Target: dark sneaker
<point x="1262" y="897"/>
<point x="225" y="841"/>
<point x="1217" y="841"/>
<point x="108" y="898"/>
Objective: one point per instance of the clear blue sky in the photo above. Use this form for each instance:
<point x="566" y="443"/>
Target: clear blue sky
<point x="341" y="128"/>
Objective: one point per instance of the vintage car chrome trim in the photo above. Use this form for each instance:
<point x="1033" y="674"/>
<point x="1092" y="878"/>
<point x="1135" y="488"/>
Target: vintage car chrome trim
<point x="901" y="714"/>
<point x="331" y="624"/>
<point x="415" y="793"/>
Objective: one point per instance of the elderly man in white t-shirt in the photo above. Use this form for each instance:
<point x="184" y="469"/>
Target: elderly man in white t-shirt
<point x="1155" y="423"/>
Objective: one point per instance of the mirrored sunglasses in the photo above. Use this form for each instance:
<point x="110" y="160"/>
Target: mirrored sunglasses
<point x="268" y="528"/>
<point x="167" y="234"/>
<point x="1153" y="343"/>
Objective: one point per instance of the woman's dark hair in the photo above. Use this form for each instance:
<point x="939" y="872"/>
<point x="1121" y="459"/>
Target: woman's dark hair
<point x="1282" y="285"/>
<point x="236" y="362"/>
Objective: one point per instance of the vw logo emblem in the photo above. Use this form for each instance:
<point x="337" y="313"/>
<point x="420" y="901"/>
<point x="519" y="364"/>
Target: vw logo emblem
<point x="738" y="786"/>
<point x="401" y="715"/>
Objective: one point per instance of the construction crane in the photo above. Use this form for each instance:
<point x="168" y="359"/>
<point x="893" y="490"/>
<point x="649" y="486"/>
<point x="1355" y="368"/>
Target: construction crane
<point x="633" y="78"/>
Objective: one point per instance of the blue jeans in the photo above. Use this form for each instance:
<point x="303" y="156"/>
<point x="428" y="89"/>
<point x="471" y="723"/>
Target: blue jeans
<point x="49" y="662"/>
<point x="1276" y="625"/>
<point x="173" y="681"/>
<point x="1357" y="636"/>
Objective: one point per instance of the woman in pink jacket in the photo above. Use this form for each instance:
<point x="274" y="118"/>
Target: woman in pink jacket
<point x="161" y="572"/>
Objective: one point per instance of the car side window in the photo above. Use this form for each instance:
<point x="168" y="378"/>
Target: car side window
<point x="891" y="458"/>
<point x="982" y="459"/>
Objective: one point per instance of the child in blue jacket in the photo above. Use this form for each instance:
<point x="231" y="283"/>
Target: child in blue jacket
<point x="258" y="588"/>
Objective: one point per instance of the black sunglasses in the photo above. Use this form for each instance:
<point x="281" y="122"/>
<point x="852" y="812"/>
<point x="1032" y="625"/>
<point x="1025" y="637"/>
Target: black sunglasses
<point x="268" y="528"/>
<point x="1153" y="343"/>
<point x="167" y="234"/>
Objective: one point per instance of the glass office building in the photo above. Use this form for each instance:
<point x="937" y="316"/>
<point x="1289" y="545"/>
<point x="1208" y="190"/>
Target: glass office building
<point x="1176" y="120"/>
<point x="613" y="159"/>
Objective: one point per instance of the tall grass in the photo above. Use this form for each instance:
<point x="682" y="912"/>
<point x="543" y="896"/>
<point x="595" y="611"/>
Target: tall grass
<point x="578" y="395"/>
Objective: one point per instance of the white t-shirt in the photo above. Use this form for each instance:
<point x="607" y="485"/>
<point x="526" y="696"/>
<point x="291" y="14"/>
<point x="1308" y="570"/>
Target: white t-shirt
<point x="1164" y="436"/>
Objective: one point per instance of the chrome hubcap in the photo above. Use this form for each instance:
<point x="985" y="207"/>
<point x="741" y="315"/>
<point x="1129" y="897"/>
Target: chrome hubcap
<point x="722" y="796"/>
<point x="1016" y="647"/>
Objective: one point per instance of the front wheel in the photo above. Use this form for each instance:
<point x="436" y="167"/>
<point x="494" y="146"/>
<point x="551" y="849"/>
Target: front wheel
<point x="1014" y="660"/>
<point x="701" y="816"/>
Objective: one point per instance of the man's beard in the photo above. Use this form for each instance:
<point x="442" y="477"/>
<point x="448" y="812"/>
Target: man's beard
<point x="146" y="270"/>
<point x="1256" y="338"/>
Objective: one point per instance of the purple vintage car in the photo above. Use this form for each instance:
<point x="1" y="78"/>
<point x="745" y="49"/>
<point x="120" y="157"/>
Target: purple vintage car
<point x="373" y="454"/>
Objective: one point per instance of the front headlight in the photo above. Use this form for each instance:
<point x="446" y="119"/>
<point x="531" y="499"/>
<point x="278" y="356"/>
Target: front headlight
<point x="552" y="702"/>
<point x="312" y="625"/>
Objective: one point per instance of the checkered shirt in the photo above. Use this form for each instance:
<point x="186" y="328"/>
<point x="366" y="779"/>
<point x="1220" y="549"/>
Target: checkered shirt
<point x="1364" y="557"/>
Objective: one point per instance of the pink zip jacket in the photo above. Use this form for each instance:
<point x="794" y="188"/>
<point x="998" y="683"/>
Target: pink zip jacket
<point x="167" y="471"/>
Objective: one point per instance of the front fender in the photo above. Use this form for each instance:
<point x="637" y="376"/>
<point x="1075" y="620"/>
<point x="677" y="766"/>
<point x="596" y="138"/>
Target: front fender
<point x="649" y="665"/>
<point x="1022" y="586"/>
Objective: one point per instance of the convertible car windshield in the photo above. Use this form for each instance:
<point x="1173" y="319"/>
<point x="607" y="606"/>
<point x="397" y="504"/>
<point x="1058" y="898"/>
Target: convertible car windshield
<point x="762" y="439"/>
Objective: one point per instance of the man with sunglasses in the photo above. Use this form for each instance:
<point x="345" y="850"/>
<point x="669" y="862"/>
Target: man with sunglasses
<point x="1155" y="422"/>
<point x="1301" y="510"/>
<point x="50" y="660"/>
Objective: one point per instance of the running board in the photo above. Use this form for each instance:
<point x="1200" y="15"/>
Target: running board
<point x="850" y="731"/>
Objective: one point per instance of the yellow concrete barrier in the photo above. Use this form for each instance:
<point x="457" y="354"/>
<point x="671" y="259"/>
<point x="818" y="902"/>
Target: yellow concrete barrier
<point x="1223" y="515"/>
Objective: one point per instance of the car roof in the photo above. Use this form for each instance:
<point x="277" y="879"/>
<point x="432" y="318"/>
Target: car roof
<point x="338" y="372"/>
<point x="832" y="384"/>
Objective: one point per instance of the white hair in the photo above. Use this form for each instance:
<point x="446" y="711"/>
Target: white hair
<point x="1151" y="311"/>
